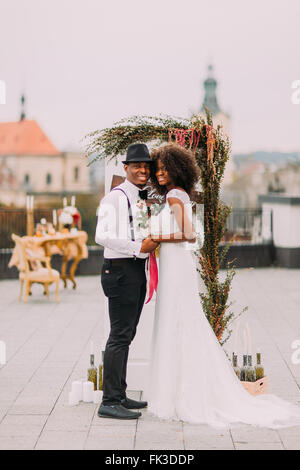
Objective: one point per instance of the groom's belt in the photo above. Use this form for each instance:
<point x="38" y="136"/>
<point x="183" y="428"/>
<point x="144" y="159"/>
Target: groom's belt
<point x="124" y="261"/>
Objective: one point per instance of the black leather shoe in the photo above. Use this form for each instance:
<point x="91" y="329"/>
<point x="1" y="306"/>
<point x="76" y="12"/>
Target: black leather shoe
<point x="117" y="412"/>
<point x="133" y="404"/>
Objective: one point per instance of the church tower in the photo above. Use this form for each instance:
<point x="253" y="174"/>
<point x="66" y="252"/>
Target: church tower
<point x="210" y="101"/>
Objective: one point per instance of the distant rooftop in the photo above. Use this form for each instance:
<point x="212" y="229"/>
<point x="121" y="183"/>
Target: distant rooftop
<point x="24" y="137"/>
<point x="267" y="158"/>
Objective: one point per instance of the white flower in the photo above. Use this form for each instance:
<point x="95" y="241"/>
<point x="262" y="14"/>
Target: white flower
<point x="141" y="219"/>
<point x="65" y="218"/>
<point x="70" y="210"/>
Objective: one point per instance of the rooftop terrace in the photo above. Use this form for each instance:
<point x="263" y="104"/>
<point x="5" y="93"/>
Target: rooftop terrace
<point x="48" y="348"/>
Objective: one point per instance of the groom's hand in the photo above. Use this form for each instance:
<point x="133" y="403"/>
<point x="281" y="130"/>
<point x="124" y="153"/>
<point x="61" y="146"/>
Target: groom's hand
<point x="148" y="245"/>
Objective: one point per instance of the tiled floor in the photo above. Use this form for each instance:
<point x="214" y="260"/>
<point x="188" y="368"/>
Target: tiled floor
<point x="48" y="347"/>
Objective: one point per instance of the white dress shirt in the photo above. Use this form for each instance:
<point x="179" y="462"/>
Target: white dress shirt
<point x="113" y="227"/>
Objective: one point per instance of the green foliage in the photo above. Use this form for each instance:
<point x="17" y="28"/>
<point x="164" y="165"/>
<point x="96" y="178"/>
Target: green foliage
<point x="212" y="151"/>
<point x="110" y="142"/>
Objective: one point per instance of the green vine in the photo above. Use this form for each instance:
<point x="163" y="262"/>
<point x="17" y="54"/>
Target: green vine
<point x="212" y="150"/>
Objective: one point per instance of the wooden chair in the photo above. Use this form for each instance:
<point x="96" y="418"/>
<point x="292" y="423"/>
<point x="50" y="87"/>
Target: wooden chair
<point x="41" y="275"/>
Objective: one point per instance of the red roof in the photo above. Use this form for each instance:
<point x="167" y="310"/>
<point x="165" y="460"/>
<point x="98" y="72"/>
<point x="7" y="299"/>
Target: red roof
<point x="24" y="138"/>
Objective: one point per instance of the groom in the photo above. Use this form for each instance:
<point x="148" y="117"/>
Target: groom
<point x="123" y="279"/>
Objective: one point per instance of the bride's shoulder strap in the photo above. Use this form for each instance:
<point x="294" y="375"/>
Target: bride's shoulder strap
<point x="182" y="195"/>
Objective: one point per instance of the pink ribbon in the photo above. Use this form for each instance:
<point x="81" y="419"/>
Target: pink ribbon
<point x="153" y="275"/>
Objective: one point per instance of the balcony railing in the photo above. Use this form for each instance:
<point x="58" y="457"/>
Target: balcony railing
<point x="246" y="225"/>
<point x="249" y="226"/>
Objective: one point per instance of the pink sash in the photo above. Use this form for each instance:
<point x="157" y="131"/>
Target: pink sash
<point x="153" y="275"/>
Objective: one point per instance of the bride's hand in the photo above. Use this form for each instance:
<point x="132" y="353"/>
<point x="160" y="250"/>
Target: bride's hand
<point x="154" y="238"/>
<point x="192" y="240"/>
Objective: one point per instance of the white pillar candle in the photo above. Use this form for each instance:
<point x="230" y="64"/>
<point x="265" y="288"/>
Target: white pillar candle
<point x="97" y="396"/>
<point x="92" y="347"/>
<point x="64" y="201"/>
<point x="88" y="391"/>
<point x="77" y="389"/>
<point x="54" y="217"/>
<point x="31" y="202"/>
<point x="27" y="202"/>
<point x="73" y="199"/>
<point x="73" y="399"/>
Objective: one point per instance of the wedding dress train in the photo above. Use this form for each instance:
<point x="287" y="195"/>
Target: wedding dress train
<point x="191" y="378"/>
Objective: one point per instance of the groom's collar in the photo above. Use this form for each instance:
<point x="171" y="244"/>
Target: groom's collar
<point x="132" y="188"/>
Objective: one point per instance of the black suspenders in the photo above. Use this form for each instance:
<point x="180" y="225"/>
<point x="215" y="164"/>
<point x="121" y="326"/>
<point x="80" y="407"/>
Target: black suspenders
<point x="129" y="213"/>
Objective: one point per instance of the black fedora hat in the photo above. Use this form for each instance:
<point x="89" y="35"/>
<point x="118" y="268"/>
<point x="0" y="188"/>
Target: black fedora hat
<point x="137" y="153"/>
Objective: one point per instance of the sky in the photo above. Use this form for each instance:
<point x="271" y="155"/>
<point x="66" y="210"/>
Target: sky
<point x="85" y="64"/>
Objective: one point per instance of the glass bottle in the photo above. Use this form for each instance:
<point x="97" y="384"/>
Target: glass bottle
<point x="250" y="371"/>
<point x="101" y="371"/>
<point x="259" y="370"/>
<point x="236" y="368"/>
<point x="244" y="368"/>
<point x="92" y="372"/>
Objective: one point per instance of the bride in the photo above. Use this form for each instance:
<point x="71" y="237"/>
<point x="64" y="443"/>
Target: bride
<point x="191" y="378"/>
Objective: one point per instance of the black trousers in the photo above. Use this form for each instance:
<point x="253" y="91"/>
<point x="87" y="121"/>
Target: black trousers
<point x="124" y="283"/>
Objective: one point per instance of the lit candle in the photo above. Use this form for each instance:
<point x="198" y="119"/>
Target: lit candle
<point x="73" y="199"/>
<point x="88" y="392"/>
<point x="64" y="201"/>
<point x="54" y="217"/>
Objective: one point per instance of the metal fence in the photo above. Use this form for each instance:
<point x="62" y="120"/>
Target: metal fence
<point x="244" y="224"/>
<point x="14" y="221"/>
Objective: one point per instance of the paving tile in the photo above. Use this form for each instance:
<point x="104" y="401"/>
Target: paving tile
<point x="110" y="438"/>
<point x="17" y="443"/>
<point x="205" y="437"/>
<point x="251" y="434"/>
<point x="22" y="425"/>
<point x="71" y="418"/>
<point x="61" y="440"/>
<point x="291" y="442"/>
<point x="151" y="434"/>
<point x="259" y="446"/>
<point x="48" y="348"/>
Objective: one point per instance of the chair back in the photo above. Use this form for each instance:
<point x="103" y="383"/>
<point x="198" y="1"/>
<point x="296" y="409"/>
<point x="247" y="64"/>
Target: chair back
<point x="22" y="265"/>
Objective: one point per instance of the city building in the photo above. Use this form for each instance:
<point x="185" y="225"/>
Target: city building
<point x="31" y="164"/>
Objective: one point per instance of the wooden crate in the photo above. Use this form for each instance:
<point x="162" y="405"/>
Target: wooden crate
<point x="257" y="388"/>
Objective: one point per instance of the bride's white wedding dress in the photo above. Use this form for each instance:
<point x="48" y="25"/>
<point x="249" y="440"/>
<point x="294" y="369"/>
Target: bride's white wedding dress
<point x="191" y="378"/>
